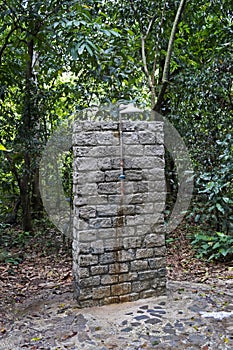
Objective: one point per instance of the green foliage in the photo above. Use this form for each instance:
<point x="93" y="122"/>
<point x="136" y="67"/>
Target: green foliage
<point x="218" y="246"/>
<point x="16" y="244"/>
<point x="58" y="57"/>
<point x="200" y="106"/>
<point x="12" y="237"/>
<point x="214" y="203"/>
<point x="67" y="176"/>
<point x="49" y="63"/>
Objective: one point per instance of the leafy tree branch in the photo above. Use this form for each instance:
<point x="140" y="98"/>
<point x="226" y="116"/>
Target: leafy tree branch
<point x="166" y="69"/>
<point x="4" y="46"/>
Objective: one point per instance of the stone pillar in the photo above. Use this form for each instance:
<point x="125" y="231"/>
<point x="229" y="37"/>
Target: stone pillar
<point x="118" y="243"/>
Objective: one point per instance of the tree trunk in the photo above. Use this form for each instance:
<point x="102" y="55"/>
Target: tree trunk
<point x="26" y="131"/>
<point x="166" y="69"/>
<point x="25" y="196"/>
<point x="37" y="206"/>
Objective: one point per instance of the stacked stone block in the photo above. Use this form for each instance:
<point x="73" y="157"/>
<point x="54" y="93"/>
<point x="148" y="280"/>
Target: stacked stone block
<point x="118" y="245"/>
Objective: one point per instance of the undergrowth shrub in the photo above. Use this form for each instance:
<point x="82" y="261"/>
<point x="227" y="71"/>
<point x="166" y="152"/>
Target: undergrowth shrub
<point x="217" y="246"/>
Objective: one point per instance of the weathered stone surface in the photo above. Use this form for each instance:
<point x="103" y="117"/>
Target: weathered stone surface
<point x="112" y="175"/>
<point x="114" y="199"/>
<point x="99" y="270"/>
<point x="154" y="240"/>
<point x="81" y="151"/>
<point x="159" y="251"/>
<point x="87" y="260"/>
<point x="90" y="281"/>
<point x="144" y="253"/>
<point x="132" y="163"/>
<point x="120" y="220"/>
<point x="111" y="125"/>
<point x="128" y="231"/>
<point x="126" y="277"/>
<point x="125" y="255"/>
<point x="109" y="279"/>
<point x="87" y="189"/>
<point x="118" y="268"/>
<point x="84" y="225"/>
<point x="85" y="293"/>
<point x="154" y="150"/>
<point x="142" y="230"/>
<point x="83" y="272"/>
<point x="87" y="212"/>
<point x="157" y="262"/>
<point x="107" y="210"/>
<point x="155" y="174"/>
<point x="147" y="293"/>
<point x="135" y="150"/>
<point x="139" y="265"/>
<point x="135" y="220"/>
<point x="119" y="244"/>
<point x="103" y="151"/>
<point x="106" y="234"/>
<point x="95" y="199"/>
<point x="105" y="164"/>
<point x="110" y="300"/>
<point x="108" y="188"/>
<point x="121" y="288"/>
<point x="107" y="258"/>
<point x="130" y="138"/>
<point x="86" y="235"/>
<point x="113" y="244"/>
<point x="97" y="247"/>
<point x="162" y="272"/>
<point x="134" y="175"/>
<point x="159" y="138"/>
<point x="129" y="297"/>
<point x="100" y="223"/>
<point x="147" y="275"/>
<point x="147" y="137"/>
<point x="131" y="126"/>
<point x="138" y="286"/>
<point x="86" y="126"/>
<point x="85" y="139"/>
<point x="101" y="292"/>
<point x="83" y="248"/>
<point x="106" y="138"/>
<point x="132" y="242"/>
<point x="158" y="186"/>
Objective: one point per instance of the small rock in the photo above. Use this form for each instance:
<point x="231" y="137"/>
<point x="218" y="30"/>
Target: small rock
<point x="144" y="307"/>
<point x="153" y="321"/>
<point x="142" y="317"/>
<point x="135" y="324"/>
<point x="127" y="329"/>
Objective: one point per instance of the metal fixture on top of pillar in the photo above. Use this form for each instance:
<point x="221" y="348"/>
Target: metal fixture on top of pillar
<point x="124" y="109"/>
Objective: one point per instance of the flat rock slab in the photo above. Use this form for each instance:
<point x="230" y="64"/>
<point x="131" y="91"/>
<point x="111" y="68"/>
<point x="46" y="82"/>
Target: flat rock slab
<point x="191" y="316"/>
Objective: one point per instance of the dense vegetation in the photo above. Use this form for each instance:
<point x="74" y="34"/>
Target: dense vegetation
<point x="57" y="57"/>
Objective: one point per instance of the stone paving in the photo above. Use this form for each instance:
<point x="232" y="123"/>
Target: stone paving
<point x="191" y="316"/>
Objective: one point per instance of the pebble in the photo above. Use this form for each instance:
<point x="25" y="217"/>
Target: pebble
<point x="127" y="329"/>
<point x="142" y="317"/>
<point x="135" y="324"/>
<point x="153" y="321"/>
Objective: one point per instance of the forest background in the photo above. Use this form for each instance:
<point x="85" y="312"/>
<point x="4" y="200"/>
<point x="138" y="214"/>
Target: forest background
<point x="60" y="57"/>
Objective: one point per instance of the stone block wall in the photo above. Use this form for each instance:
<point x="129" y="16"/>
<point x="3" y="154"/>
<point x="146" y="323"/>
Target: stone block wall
<point x="118" y="240"/>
